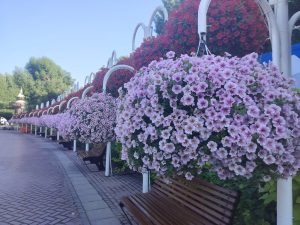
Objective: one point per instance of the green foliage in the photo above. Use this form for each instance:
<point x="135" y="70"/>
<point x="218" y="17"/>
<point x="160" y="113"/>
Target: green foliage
<point x="269" y="196"/>
<point x="171" y="4"/>
<point x="119" y="166"/>
<point x="251" y="208"/>
<point x="6" y="113"/>
<point x="49" y="80"/>
<point x="41" y="80"/>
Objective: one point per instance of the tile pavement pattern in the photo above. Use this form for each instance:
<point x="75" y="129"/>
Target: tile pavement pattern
<point x="110" y="188"/>
<point x="44" y="185"/>
<point x="33" y="186"/>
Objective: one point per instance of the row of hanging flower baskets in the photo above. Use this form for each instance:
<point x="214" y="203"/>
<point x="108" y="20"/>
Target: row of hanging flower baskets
<point x="232" y="118"/>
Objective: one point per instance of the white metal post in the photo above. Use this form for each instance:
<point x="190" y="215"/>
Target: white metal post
<point x="108" y="168"/>
<point x="284" y="187"/>
<point x="87" y="147"/>
<point x="108" y="160"/>
<point x="35" y="130"/>
<point x="30" y="128"/>
<point x="57" y="135"/>
<point x="74" y="146"/>
<point x="46" y="130"/>
<point x="146" y="181"/>
<point x="51" y="131"/>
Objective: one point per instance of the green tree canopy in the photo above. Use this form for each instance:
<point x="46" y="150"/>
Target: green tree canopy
<point x="41" y="80"/>
<point x="48" y="80"/>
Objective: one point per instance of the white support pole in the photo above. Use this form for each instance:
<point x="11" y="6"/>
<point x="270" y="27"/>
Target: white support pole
<point x="284" y="202"/>
<point x="108" y="168"/>
<point x="35" y="130"/>
<point x="57" y="135"/>
<point x="282" y="16"/>
<point x="108" y="160"/>
<point x="284" y="187"/>
<point x="146" y="181"/>
<point x="41" y="129"/>
<point x="26" y="128"/>
<point x="87" y="147"/>
<point x="46" y="130"/>
<point x="30" y="128"/>
<point x="51" y="131"/>
<point x="74" y="146"/>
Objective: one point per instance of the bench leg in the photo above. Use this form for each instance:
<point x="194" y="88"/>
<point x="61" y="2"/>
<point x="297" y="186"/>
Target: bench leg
<point x="122" y="208"/>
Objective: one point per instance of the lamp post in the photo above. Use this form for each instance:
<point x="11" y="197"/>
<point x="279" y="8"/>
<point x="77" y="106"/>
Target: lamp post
<point x="108" y="168"/>
<point x="280" y="30"/>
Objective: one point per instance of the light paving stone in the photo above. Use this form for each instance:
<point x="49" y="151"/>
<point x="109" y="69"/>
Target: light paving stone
<point x="99" y="214"/>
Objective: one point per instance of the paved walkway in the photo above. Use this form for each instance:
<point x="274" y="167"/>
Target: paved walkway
<point x="41" y="184"/>
<point x="33" y="186"/>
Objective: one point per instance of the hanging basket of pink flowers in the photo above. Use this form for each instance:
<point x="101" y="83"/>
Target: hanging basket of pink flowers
<point x="94" y="118"/>
<point x="231" y="116"/>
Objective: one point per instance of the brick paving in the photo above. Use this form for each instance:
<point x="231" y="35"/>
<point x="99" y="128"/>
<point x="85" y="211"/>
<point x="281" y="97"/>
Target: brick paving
<point x="44" y="185"/>
<point x="33" y="186"/>
<point x="110" y="188"/>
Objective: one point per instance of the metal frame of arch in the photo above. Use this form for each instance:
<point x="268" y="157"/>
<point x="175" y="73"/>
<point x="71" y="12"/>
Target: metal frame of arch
<point x="30" y="114"/>
<point x="61" y="104"/>
<point x="41" y="111"/>
<point x="146" y="33"/>
<point x="86" y="80"/>
<point x="86" y="91"/>
<point x="108" y="168"/>
<point x="148" y="29"/>
<point x="113" y="69"/>
<point x="45" y="111"/>
<point x="112" y="60"/>
<point x="70" y="101"/>
<point x="50" y="109"/>
<point x="267" y="11"/>
<point x="54" y="107"/>
<point x="92" y="77"/>
<point x="158" y="9"/>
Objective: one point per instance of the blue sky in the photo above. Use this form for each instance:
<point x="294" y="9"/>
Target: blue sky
<point x="79" y="35"/>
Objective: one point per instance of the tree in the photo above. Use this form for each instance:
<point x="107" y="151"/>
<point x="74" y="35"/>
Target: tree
<point x="8" y="93"/>
<point x="49" y="80"/>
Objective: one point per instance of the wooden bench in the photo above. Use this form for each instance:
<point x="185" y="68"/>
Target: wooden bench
<point x="94" y="156"/>
<point x="52" y="137"/>
<point x="66" y="144"/>
<point x="182" y="202"/>
<point x="42" y="134"/>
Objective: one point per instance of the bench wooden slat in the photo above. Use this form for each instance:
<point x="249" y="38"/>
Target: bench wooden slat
<point x="202" y="210"/>
<point x="171" y="208"/>
<point x="183" y="203"/>
<point x="207" y="204"/>
<point x="205" y="194"/>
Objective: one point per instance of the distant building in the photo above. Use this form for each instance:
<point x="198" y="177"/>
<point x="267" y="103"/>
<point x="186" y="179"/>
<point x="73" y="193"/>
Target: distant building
<point x="20" y="103"/>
